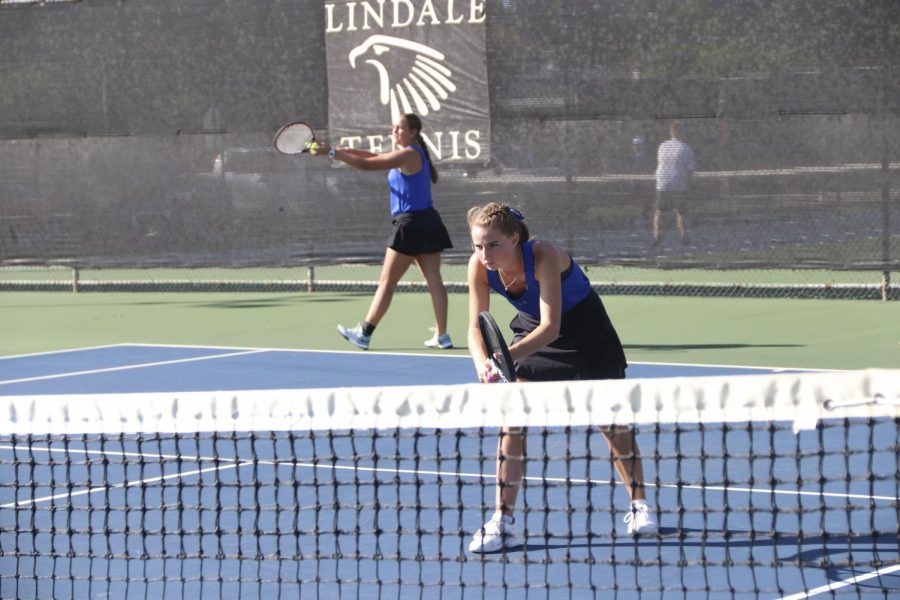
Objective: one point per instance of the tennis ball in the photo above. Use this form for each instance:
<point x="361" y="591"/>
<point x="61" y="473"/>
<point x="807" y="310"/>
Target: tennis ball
<point x="313" y="148"/>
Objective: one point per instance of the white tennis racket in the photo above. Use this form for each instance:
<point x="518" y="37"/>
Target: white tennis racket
<point x="296" y="138"/>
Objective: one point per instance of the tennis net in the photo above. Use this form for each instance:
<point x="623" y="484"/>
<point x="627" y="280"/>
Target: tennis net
<point x="762" y="485"/>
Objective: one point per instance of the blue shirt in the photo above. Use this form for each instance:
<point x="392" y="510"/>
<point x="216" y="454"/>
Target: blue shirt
<point x="410" y="193"/>
<point x="575" y="286"/>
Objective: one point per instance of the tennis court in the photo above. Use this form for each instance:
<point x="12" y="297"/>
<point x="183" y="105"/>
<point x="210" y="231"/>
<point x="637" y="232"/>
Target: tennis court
<point x="180" y="418"/>
<point x="354" y="512"/>
<point x="139" y="368"/>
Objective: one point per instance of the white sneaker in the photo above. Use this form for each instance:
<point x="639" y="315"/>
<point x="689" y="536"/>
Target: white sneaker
<point x="495" y="535"/>
<point x="440" y="341"/>
<point x="355" y="336"/>
<point x="640" y="519"/>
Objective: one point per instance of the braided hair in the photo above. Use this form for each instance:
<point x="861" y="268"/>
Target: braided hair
<point x="504" y="218"/>
<point x="415" y="122"/>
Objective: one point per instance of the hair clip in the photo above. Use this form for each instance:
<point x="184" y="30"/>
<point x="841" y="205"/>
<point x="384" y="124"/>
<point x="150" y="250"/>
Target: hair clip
<point x="515" y="213"/>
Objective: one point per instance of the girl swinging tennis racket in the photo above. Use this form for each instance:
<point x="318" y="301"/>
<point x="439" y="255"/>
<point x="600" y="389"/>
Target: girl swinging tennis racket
<point x="418" y="235"/>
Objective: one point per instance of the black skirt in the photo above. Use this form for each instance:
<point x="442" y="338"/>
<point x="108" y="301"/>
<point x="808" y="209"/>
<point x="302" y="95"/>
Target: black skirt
<point x="588" y="346"/>
<point x="420" y="232"/>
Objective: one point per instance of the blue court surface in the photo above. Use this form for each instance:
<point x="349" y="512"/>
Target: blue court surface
<point x="743" y="511"/>
<point x="146" y="368"/>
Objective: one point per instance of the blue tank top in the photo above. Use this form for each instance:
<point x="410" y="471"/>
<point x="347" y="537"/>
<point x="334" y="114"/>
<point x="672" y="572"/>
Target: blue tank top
<point x="575" y="286"/>
<point x="410" y="193"/>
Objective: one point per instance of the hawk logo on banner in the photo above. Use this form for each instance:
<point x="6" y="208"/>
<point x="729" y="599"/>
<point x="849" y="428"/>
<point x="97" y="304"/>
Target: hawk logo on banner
<point x="422" y="80"/>
<point x="387" y="58"/>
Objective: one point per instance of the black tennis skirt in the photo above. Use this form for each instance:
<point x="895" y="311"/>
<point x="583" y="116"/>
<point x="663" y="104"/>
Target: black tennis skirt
<point x="588" y="346"/>
<point x="420" y="232"/>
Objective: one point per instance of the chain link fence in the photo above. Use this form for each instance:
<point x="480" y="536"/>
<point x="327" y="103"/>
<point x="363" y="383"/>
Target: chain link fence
<point x="137" y="135"/>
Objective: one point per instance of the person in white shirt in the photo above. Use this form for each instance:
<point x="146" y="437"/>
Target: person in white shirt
<point x="674" y="166"/>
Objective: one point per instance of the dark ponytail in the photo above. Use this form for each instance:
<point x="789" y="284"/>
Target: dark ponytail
<point x="415" y="122"/>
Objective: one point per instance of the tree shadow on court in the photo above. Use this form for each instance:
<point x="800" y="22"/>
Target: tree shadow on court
<point x="268" y="302"/>
<point x="649" y="347"/>
<point x="259" y="302"/>
<point x="737" y="556"/>
<point x="823" y="550"/>
<point x="734" y="346"/>
<point x="423" y="349"/>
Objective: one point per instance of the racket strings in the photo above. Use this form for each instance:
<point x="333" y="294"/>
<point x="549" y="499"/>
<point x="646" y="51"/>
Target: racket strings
<point x="294" y="138"/>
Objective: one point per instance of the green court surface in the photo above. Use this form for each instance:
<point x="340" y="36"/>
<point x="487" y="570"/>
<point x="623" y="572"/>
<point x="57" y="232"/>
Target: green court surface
<point x="824" y="334"/>
<point x="451" y="272"/>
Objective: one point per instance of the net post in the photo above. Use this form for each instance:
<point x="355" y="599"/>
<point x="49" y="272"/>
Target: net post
<point x="885" y="286"/>
<point x="310" y="278"/>
<point x="76" y="287"/>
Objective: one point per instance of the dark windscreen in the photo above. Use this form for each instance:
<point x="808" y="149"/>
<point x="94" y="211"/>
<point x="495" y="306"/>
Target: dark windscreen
<point x="136" y="133"/>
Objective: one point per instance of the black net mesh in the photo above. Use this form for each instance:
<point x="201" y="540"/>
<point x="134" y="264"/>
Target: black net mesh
<point x="168" y="495"/>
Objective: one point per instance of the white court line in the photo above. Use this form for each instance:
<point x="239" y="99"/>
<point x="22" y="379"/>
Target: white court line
<point x="85" y="452"/>
<point x="835" y="585"/>
<point x="230" y="464"/>
<point x="567" y="480"/>
<point x="434" y="354"/>
<point x="571" y="481"/>
<point x="127" y="484"/>
<point x="427" y="354"/>
<point x="66" y="351"/>
<point x="444" y="354"/>
<point x="127" y="367"/>
<point x="749" y="367"/>
<point x="722" y="488"/>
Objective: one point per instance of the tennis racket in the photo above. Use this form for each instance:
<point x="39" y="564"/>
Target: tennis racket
<point x="296" y="138"/>
<point x="496" y="347"/>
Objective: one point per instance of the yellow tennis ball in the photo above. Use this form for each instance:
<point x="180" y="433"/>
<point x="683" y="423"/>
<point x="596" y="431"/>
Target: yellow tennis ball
<point x="313" y="148"/>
